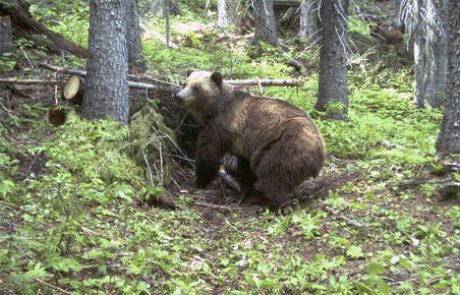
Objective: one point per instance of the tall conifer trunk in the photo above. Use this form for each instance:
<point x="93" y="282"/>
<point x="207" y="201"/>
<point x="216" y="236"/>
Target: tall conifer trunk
<point x="106" y="89"/>
<point x="449" y="139"/>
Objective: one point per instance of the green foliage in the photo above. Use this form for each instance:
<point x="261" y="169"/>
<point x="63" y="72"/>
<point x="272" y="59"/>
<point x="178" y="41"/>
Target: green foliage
<point x="355" y="24"/>
<point x="86" y="199"/>
<point x="78" y="221"/>
<point x="68" y="18"/>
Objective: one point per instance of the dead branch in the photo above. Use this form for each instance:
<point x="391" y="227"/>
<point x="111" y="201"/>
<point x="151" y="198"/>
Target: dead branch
<point x="54" y="82"/>
<point x="264" y="82"/>
<point x="158" y="83"/>
<point x="340" y="216"/>
<point x="62" y="70"/>
<point x="172" y="86"/>
<point x="52" y="286"/>
<point x="31" y="81"/>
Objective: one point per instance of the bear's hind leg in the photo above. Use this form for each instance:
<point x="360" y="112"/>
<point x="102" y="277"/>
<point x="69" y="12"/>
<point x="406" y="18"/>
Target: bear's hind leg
<point x="246" y="177"/>
<point x="279" y="171"/>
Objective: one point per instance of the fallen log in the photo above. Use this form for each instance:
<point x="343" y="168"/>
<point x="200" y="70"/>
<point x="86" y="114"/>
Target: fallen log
<point x="161" y="84"/>
<point x="174" y="87"/>
<point x="30" y="81"/>
<point x="55" y="82"/>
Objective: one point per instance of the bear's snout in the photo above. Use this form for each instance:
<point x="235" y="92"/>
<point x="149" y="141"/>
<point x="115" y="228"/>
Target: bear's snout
<point x="184" y="93"/>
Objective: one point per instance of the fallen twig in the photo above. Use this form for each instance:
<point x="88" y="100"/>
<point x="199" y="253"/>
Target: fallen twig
<point x="52" y="286"/>
<point x="340" y="216"/>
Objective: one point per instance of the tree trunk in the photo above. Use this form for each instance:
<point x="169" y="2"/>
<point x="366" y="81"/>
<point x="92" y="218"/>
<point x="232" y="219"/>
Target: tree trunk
<point x="5" y="34"/>
<point x="227" y="13"/>
<point x="436" y="53"/>
<point x="332" y="91"/>
<point x="24" y="26"/>
<point x="133" y="38"/>
<point x="419" y="53"/>
<point x="449" y="139"/>
<point x="106" y="94"/>
<point x="265" y="23"/>
<point x="400" y="15"/>
<point x="430" y="52"/>
<point x="309" y="22"/>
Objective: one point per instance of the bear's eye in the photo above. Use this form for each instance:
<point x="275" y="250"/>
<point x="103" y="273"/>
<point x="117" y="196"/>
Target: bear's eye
<point x="195" y="88"/>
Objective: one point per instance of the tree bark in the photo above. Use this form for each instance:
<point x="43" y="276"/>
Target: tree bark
<point x="227" y="13"/>
<point x="400" y="15"/>
<point x="430" y="52"/>
<point x="265" y="23"/>
<point x="5" y="34"/>
<point x="106" y="94"/>
<point x="133" y="37"/>
<point x="448" y="141"/>
<point x="24" y="26"/>
<point x="309" y="22"/>
<point x="436" y="76"/>
<point x="332" y="90"/>
<point x="419" y="53"/>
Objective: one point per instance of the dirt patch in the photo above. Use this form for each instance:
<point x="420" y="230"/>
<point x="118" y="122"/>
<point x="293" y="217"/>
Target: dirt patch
<point x="30" y="165"/>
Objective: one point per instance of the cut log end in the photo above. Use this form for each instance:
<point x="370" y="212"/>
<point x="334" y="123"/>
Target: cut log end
<point x="73" y="90"/>
<point x="72" y="87"/>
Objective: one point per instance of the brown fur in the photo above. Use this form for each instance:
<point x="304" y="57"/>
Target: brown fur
<point x="278" y="146"/>
<point x="391" y="36"/>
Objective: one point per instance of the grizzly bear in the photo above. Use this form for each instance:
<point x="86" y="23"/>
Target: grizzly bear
<point x="391" y="36"/>
<point x="277" y="145"/>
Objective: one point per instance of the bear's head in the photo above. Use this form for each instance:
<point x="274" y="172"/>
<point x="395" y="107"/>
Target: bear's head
<point x="201" y="89"/>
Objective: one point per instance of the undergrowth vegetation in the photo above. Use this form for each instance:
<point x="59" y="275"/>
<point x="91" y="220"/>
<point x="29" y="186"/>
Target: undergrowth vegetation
<point x="73" y="199"/>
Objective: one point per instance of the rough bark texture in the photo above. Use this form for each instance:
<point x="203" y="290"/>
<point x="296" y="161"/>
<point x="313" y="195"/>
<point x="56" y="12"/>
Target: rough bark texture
<point x="436" y="76"/>
<point x="24" y="26"/>
<point x="5" y="34"/>
<point x="430" y="52"/>
<point x="332" y="91"/>
<point x="309" y="22"/>
<point x="227" y="13"/>
<point x="400" y="15"/>
<point x="419" y="53"/>
<point x="106" y="94"/>
<point x="133" y="37"/>
<point x="449" y="139"/>
<point x="265" y="23"/>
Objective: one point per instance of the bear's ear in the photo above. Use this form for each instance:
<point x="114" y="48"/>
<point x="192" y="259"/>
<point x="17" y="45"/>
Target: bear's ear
<point x="217" y="78"/>
<point x="189" y="72"/>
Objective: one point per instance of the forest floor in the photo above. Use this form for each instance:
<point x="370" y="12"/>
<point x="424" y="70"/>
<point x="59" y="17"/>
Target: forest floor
<point x="76" y="213"/>
<point x="366" y="228"/>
